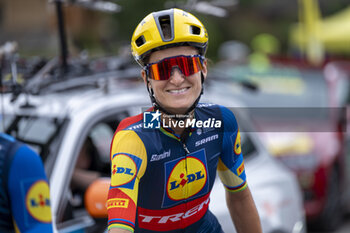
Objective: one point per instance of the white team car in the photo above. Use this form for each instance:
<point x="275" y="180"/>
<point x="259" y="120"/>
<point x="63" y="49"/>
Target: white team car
<point x="62" y="116"/>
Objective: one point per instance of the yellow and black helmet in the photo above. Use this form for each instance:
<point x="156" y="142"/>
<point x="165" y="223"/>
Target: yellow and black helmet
<point x="168" y="28"/>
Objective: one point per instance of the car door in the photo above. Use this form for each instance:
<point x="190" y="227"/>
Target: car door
<point x="89" y="161"/>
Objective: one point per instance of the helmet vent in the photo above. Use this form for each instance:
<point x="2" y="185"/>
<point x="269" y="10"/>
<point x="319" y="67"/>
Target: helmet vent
<point x="140" y="41"/>
<point x="195" y="30"/>
<point x="164" y="22"/>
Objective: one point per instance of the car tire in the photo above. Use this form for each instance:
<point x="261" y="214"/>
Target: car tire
<point x="331" y="216"/>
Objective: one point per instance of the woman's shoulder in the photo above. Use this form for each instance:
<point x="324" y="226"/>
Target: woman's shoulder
<point x="215" y="108"/>
<point x="218" y="111"/>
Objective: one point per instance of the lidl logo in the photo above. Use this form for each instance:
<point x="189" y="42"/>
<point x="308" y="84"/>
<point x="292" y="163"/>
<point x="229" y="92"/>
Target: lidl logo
<point x="189" y="178"/>
<point x="38" y="201"/>
<point x="124" y="170"/>
<point x="117" y="203"/>
<point x="238" y="148"/>
<point x="151" y="120"/>
<point x="186" y="178"/>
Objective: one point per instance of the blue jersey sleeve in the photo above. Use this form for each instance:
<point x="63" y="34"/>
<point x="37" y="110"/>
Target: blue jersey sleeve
<point x="29" y="192"/>
<point x="231" y="165"/>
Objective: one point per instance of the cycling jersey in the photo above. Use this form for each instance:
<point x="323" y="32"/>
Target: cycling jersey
<point x="24" y="190"/>
<point x="160" y="183"/>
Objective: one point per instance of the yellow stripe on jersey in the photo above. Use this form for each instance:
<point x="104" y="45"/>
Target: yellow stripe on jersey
<point x="16" y="227"/>
<point x="227" y="177"/>
<point x="120" y="226"/>
<point x="128" y="142"/>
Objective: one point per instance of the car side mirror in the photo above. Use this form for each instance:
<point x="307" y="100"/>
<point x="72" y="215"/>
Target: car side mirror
<point x="96" y="198"/>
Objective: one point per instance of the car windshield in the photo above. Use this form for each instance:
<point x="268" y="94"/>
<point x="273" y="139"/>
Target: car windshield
<point x="278" y="87"/>
<point x="38" y="132"/>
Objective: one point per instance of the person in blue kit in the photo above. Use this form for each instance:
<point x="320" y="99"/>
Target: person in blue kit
<point x="165" y="160"/>
<point x="24" y="190"/>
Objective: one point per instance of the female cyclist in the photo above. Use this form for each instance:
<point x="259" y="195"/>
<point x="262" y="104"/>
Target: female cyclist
<point x="164" y="161"/>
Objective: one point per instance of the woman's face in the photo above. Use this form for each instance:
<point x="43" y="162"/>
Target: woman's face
<point x="179" y="92"/>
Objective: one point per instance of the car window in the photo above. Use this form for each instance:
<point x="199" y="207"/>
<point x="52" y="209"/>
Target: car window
<point x="248" y="148"/>
<point x="244" y="121"/>
<point x="38" y="132"/>
<point x="5" y="121"/>
<point x="342" y="91"/>
<point x="101" y="135"/>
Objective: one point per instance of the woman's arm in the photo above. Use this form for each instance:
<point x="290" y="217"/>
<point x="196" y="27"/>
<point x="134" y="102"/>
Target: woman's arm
<point x="118" y="230"/>
<point x="243" y="211"/>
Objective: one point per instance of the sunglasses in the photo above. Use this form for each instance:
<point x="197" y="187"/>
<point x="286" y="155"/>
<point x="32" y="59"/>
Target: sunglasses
<point x="162" y="70"/>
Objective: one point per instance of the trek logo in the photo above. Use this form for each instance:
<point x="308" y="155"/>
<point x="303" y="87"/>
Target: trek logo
<point x="177" y="217"/>
<point x="186" y="177"/>
<point x="151" y="120"/>
<point x="117" y="203"/>
<point x="124" y="170"/>
<point x="207" y="139"/>
<point x="38" y="201"/>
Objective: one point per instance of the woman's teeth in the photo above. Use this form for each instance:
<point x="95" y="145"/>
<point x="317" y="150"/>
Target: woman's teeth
<point x="178" y="91"/>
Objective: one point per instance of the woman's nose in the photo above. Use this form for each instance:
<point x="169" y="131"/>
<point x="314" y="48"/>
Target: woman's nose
<point x="176" y="77"/>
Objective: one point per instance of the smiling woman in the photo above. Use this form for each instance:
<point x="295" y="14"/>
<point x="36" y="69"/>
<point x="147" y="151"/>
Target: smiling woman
<point x="162" y="175"/>
<point x="179" y="92"/>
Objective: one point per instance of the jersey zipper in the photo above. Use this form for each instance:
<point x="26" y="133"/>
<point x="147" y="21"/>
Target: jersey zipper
<point x="185" y="148"/>
<point x="186" y="171"/>
<point x="186" y="167"/>
<point x="182" y="140"/>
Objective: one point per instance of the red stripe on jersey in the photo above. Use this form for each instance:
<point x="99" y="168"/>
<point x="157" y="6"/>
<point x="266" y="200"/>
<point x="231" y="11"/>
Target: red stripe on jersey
<point x="129" y="121"/>
<point x="125" y="123"/>
<point x="177" y="217"/>
<point x="120" y="206"/>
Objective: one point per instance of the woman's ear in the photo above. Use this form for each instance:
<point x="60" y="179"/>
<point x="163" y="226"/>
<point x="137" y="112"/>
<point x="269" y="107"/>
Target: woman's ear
<point x="144" y="76"/>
